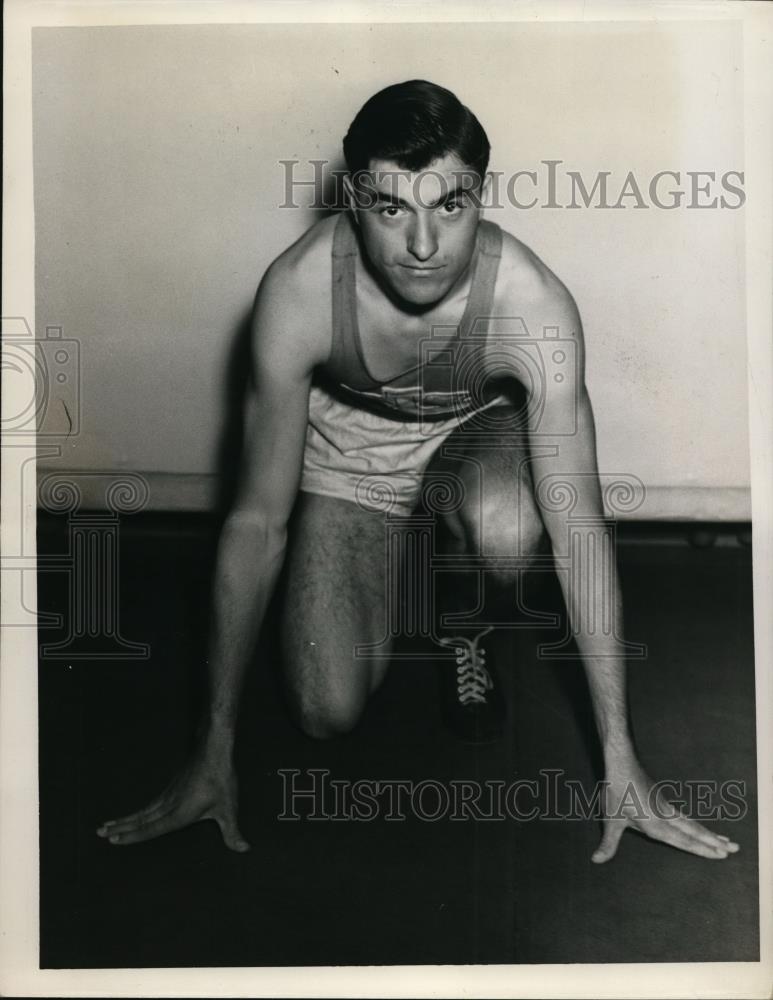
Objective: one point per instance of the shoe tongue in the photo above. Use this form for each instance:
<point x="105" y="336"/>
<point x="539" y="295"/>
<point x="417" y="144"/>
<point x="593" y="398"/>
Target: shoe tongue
<point x="476" y="639"/>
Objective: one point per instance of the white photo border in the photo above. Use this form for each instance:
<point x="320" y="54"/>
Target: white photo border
<point x="19" y="937"/>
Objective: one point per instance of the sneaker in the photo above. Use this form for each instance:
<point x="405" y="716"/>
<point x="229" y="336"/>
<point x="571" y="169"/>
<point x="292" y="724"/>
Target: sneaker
<point x="473" y="703"/>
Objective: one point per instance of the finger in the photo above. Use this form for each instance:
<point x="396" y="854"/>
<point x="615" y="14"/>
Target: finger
<point x="166" y="824"/>
<point x="132" y="817"/>
<point x="613" y="831"/>
<point x="671" y="833"/>
<point x="692" y="828"/>
<point x="136" y="822"/>
<point x="232" y="837"/>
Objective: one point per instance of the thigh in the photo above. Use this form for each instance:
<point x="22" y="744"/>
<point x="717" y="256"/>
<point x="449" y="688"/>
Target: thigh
<point x="334" y="601"/>
<point x="487" y="484"/>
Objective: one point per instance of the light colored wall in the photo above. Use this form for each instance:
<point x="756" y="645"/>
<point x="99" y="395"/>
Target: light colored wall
<point x="157" y="184"/>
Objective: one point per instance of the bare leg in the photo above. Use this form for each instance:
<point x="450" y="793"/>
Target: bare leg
<point x="497" y="518"/>
<point x="334" y="601"/>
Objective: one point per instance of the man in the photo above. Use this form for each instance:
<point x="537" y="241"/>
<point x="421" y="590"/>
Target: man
<point x="349" y="407"/>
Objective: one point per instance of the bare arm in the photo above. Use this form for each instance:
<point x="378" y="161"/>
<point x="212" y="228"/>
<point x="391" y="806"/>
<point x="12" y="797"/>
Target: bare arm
<point x="252" y="544"/>
<point x="565" y="465"/>
<point x="250" y="555"/>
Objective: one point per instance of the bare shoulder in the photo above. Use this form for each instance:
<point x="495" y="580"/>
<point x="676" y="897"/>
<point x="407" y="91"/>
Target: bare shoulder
<point x="527" y="287"/>
<point x="293" y="304"/>
<point x="531" y="295"/>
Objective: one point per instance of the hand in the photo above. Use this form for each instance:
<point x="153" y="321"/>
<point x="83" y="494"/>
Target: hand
<point x="632" y="801"/>
<point x="200" y="791"/>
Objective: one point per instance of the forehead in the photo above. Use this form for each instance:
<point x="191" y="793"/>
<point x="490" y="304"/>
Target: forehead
<point x="426" y="186"/>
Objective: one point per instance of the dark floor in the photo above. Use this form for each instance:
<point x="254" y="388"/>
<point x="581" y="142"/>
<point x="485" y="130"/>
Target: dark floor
<point x="393" y="892"/>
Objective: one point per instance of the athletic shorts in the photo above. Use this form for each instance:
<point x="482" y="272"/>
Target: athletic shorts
<point x="368" y="459"/>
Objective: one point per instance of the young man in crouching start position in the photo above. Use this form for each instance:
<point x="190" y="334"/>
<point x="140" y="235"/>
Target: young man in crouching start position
<point x="392" y="344"/>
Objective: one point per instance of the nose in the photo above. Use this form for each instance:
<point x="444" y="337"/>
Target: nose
<point x="422" y="241"/>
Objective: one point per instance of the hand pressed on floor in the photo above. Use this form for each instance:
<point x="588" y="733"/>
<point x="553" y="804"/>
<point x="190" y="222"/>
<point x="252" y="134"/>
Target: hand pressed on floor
<point x="632" y="801"/>
<point x="200" y="791"/>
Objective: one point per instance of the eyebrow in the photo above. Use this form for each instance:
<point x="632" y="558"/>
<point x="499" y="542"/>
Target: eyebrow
<point x="383" y="197"/>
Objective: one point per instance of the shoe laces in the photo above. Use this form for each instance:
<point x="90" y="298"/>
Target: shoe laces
<point x="472" y="678"/>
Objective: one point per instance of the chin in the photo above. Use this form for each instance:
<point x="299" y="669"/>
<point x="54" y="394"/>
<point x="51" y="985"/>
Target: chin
<point x="422" y="292"/>
<point x="420" y="296"/>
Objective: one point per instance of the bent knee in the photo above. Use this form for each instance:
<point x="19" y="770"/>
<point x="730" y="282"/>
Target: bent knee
<point x="521" y="535"/>
<point x="328" y="718"/>
<point x="496" y="529"/>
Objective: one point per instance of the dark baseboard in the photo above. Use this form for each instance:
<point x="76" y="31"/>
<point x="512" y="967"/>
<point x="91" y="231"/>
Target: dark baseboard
<point x="201" y="525"/>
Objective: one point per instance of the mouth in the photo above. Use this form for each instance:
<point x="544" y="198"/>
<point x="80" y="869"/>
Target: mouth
<point x="422" y="270"/>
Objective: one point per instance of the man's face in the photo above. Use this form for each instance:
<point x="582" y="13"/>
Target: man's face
<point x="419" y="229"/>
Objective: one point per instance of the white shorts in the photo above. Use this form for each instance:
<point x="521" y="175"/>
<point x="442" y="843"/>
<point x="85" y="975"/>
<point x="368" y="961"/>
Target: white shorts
<point x="371" y="460"/>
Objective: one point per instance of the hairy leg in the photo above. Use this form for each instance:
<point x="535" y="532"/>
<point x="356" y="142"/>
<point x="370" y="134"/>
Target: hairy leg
<point x="497" y="517"/>
<point x="334" y="601"/>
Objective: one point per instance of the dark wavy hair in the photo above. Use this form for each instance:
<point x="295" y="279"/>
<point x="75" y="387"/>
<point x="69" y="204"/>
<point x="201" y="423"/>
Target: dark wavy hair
<point x="412" y="124"/>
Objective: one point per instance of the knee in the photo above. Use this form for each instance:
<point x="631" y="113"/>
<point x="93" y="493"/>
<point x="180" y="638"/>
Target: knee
<point x="326" y="718"/>
<point x="520" y="537"/>
<point x="518" y="533"/>
<point x="501" y="527"/>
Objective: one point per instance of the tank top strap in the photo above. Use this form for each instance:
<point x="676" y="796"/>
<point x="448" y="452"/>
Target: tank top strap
<point x="481" y="298"/>
<point x="343" y="352"/>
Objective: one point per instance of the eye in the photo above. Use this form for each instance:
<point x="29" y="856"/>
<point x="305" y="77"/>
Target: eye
<point x="452" y="207"/>
<point x="391" y="211"/>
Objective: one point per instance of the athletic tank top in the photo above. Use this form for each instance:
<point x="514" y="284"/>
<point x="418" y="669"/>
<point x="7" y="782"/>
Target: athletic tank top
<point x="449" y="360"/>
